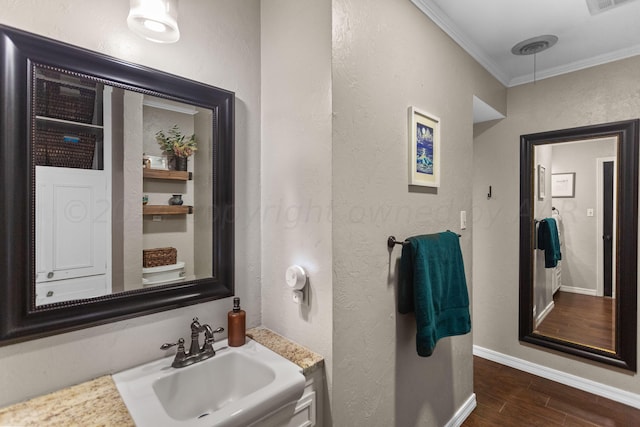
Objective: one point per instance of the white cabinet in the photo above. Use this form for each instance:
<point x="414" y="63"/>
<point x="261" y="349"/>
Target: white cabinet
<point x="72" y="239"/>
<point x="305" y="413"/>
<point x="72" y="152"/>
<point x="70" y="289"/>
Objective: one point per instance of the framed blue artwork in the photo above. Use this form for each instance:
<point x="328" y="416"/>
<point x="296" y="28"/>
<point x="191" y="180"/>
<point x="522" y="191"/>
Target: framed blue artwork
<point x="424" y="148"/>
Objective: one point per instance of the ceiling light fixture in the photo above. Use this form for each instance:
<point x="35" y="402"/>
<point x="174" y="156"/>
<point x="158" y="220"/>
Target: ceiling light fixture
<point x="155" y="20"/>
<point x="533" y="46"/>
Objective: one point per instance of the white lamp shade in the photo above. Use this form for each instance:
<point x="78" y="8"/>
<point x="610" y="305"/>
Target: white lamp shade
<point x="155" y="20"/>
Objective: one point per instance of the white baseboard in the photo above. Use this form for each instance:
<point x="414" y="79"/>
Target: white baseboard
<point x="593" y="387"/>
<point x="544" y="313"/>
<point x="581" y="291"/>
<point x="463" y="412"/>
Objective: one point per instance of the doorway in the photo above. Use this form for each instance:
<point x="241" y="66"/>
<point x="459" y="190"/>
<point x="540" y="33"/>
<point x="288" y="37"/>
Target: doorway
<point x="606" y="180"/>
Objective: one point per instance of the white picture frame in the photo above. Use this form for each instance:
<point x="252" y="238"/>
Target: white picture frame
<point x="158" y="162"/>
<point x="424" y="148"/>
<point x="542" y="182"/>
<point x="563" y="185"/>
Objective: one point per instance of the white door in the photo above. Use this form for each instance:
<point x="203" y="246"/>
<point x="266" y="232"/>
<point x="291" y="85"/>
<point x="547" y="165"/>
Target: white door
<point x="72" y="219"/>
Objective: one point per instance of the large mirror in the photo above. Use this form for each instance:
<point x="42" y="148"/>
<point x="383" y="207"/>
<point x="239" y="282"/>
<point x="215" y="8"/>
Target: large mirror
<point x="121" y="187"/>
<point x="578" y="241"/>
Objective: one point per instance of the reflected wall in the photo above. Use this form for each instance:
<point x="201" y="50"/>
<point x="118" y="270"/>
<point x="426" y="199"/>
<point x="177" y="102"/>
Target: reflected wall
<point x="573" y="198"/>
<point x="115" y="211"/>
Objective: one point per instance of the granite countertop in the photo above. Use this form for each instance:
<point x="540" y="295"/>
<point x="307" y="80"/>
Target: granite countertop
<point x="94" y="403"/>
<point x="301" y="356"/>
<point x="98" y="403"/>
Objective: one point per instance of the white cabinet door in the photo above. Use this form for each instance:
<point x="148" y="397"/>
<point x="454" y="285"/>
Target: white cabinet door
<point x="70" y="289"/>
<point x="72" y="216"/>
<point x="303" y="413"/>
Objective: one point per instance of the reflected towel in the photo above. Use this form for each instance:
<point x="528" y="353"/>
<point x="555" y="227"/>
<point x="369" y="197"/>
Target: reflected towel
<point x="549" y="242"/>
<point x="433" y="285"/>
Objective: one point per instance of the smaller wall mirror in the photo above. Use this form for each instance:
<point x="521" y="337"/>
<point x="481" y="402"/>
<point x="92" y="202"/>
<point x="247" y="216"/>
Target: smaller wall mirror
<point x="578" y="241"/>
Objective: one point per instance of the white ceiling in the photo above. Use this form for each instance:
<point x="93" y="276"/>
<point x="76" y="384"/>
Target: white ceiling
<point x="488" y="29"/>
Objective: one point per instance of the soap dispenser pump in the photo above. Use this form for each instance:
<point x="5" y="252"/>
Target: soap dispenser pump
<point x="236" y="324"/>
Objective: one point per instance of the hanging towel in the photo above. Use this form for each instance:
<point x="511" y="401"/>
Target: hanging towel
<point x="433" y="285"/>
<point x="549" y="242"/>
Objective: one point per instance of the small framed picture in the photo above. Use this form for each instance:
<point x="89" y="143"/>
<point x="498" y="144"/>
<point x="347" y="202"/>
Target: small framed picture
<point x="563" y="184"/>
<point x="424" y="148"/>
<point x="542" y="182"/>
<point x="158" y="162"/>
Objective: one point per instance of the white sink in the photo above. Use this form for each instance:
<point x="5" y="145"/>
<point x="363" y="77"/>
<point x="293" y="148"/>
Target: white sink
<point x="236" y="387"/>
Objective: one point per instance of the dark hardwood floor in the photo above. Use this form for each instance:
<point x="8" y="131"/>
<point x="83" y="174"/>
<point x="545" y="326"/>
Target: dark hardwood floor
<point x="582" y="319"/>
<point x="508" y="397"/>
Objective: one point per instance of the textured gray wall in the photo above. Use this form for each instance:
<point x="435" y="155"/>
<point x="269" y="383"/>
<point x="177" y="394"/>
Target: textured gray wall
<point x="296" y="169"/>
<point x="388" y="56"/>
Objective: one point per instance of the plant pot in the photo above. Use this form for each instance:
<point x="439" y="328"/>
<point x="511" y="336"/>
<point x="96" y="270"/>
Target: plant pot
<point x="176" y="200"/>
<point x="180" y="163"/>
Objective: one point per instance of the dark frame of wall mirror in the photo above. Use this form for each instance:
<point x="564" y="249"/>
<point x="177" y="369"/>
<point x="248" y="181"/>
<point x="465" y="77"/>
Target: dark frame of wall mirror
<point x="625" y="353"/>
<point x="20" y="319"/>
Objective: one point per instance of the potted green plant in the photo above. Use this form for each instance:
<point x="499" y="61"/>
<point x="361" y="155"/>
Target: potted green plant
<point x="178" y="145"/>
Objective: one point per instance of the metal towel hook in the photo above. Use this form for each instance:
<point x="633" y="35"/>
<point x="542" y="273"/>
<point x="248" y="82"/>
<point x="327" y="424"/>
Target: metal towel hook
<point x="391" y="242"/>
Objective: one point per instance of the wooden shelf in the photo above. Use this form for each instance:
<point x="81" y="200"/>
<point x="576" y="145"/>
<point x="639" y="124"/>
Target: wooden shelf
<point x="166" y="174"/>
<point x="166" y="210"/>
<point x="45" y="122"/>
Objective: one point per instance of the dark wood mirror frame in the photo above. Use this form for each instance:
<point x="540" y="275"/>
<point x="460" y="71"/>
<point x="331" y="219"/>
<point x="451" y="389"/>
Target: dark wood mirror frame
<point x="625" y="352"/>
<point x="20" y="320"/>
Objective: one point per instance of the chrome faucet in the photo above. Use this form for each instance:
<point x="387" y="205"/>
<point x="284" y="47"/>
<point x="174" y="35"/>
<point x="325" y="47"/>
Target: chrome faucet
<point x="196" y="353"/>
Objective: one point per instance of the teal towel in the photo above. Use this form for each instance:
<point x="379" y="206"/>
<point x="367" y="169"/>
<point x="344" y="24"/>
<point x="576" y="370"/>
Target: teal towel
<point x="433" y="285"/>
<point x="549" y="242"/>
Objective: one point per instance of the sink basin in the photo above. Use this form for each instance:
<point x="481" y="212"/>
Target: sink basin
<point x="236" y="387"/>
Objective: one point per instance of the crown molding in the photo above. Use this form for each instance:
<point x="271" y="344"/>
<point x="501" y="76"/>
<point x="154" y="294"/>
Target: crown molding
<point x="576" y="66"/>
<point x="442" y="20"/>
<point x="433" y="12"/>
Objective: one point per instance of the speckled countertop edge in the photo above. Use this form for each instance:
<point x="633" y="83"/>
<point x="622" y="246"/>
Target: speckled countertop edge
<point x="93" y="403"/>
<point x="98" y="403"/>
<point x="301" y="356"/>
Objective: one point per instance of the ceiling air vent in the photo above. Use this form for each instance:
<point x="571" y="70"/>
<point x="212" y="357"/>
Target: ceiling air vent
<point x="599" y="6"/>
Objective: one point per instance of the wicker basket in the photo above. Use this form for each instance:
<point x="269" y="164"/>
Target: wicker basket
<point x="64" y="101"/>
<point x="159" y="256"/>
<point x="41" y="98"/>
<point x="67" y="150"/>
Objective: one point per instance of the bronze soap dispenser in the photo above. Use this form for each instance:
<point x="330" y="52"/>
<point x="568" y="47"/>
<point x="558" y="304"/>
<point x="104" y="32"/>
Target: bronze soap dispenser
<point x="237" y="320"/>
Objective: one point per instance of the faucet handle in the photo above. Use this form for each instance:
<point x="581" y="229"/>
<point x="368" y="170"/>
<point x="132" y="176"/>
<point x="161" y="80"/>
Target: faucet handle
<point x="181" y="356"/>
<point x="209" y="338"/>
<point x="208" y="333"/>
<point x="180" y="344"/>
